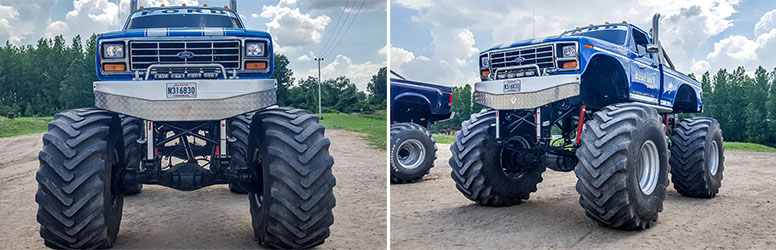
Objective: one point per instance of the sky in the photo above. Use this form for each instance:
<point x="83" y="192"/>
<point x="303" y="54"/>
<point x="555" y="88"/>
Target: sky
<point x="438" y="40"/>
<point x="301" y="29"/>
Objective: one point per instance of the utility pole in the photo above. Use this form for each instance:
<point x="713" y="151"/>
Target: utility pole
<point x="319" y="59"/>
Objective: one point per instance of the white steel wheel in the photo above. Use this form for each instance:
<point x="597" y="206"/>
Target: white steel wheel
<point x="648" y="167"/>
<point x="411" y="154"/>
<point x="714" y="158"/>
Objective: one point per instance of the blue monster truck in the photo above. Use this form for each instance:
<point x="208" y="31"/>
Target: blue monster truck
<point x="415" y="106"/>
<point x="599" y="100"/>
<point x="184" y="100"/>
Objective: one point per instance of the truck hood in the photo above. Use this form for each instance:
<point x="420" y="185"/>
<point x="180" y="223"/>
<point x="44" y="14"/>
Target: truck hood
<point x="549" y="39"/>
<point x="187" y="32"/>
<point x="532" y="41"/>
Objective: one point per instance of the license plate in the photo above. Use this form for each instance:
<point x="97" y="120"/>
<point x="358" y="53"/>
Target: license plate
<point x="512" y="86"/>
<point x="182" y="90"/>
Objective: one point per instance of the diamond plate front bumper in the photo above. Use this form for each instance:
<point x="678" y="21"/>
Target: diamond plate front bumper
<point x="216" y="99"/>
<point x="533" y="91"/>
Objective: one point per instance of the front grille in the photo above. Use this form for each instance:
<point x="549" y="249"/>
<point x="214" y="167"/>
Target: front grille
<point x="144" y="53"/>
<point x="505" y="63"/>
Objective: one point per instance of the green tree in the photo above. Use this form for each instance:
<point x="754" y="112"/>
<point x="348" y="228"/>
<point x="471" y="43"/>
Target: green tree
<point x="377" y="88"/>
<point x="756" y="131"/>
<point x="770" y="109"/>
<point x="76" y="88"/>
<point x="285" y="78"/>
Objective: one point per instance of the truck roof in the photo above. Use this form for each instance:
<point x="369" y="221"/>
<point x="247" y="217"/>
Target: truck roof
<point x="182" y="7"/>
<point x="187" y="12"/>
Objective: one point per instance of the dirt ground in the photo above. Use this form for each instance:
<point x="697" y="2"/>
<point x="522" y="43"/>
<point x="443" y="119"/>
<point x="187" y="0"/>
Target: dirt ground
<point x="212" y="217"/>
<point x="432" y="214"/>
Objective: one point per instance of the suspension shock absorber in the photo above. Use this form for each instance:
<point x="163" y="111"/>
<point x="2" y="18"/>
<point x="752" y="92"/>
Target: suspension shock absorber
<point x="580" y="123"/>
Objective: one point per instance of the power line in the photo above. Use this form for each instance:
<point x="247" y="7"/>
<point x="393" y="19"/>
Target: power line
<point x="346" y="30"/>
<point x="337" y="26"/>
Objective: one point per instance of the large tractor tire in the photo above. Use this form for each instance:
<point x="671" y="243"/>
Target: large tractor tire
<point x="131" y="130"/>
<point x="413" y="151"/>
<point x="697" y="157"/>
<point x="486" y="172"/>
<point x="79" y="204"/>
<point x="623" y="166"/>
<point x="240" y="127"/>
<point x="292" y="206"/>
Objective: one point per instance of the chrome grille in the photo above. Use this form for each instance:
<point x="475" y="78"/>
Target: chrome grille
<point x="504" y="63"/>
<point x="144" y="53"/>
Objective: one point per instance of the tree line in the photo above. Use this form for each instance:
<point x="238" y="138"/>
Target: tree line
<point x="744" y="105"/>
<point x="52" y="76"/>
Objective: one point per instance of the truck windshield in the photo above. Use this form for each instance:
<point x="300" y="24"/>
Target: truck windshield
<point x="614" y="33"/>
<point x="183" y="18"/>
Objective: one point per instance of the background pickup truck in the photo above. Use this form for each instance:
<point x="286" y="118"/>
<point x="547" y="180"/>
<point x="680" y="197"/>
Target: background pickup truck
<point x="418" y="102"/>
<point x="415" y="106"/>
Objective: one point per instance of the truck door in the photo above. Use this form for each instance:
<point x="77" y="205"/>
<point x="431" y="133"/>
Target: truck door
<point x="672" y="79"/>
<point x="644" y="70"/>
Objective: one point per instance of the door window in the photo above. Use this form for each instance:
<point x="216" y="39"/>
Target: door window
<point x="639" y="44"/>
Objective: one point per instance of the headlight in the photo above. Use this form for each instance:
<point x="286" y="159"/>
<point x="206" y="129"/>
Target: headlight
<point x="112" y="51"/>
<point x="254" y="49"/>
<point x="485" y="61"/>
<point x="570" y="51"/>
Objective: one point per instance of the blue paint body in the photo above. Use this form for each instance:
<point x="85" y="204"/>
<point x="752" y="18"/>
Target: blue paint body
<point x="189" y="34"/>
<point x="647" y="77"/>
<point x="437" y="98"/>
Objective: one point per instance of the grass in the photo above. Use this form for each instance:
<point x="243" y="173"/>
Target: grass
<point x="372" y="125"/>
<point x="444" y="139"/>
<point x="23" y="126"/>
<point x="745" y="146"/>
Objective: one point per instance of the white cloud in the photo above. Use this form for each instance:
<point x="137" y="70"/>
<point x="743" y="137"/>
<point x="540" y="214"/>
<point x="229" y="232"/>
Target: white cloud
<point x="359" y="74"/>
<point x="57" y="28"/>
<point x="737" y="50"/>
<point x="413" y="4"/>
<point x="8" y="16"/>
<point x="304" y="58"/>
<point x="7" y="13"/>
<point x="450" y="64"/>
<point x="766" y="23"/>
<point x="399" y="56"/>
<point x="700" y="66"/>
<point x="290" y="27"/>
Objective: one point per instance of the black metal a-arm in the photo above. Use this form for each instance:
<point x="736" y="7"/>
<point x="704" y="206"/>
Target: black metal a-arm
<point x="540" y="121"/>
<point x="189" y="174"/>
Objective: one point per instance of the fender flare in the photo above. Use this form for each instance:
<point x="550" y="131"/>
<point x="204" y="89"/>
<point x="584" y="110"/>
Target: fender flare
<point x="621" y="86"/>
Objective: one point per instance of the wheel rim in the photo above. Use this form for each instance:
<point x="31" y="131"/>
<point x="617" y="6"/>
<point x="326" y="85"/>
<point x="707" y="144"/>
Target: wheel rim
<point x="714" y="158"/>
<point x="411" y="154"/>
<point x="648" y="167"/>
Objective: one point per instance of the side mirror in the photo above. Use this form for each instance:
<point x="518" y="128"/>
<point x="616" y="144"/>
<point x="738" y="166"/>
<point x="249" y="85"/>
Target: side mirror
<point x="653" y="49"/>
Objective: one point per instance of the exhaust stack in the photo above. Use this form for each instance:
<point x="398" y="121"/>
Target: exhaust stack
<point x="233" y="5"/>
<point x="132" y="5"/>
<point x="655" y="24"/>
